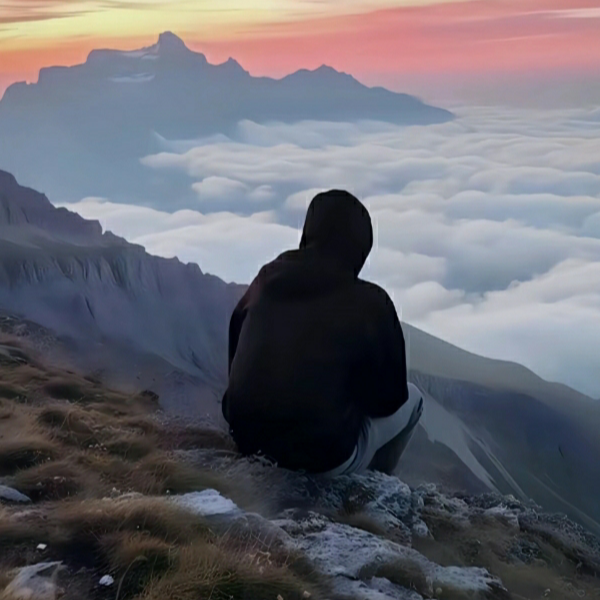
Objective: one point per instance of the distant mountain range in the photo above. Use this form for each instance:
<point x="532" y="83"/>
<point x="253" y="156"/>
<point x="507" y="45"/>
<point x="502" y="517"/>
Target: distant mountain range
<point x="142" y="322"/>
<point x="82" y="130"/>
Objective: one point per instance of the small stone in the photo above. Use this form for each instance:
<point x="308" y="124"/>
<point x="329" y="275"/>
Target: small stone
<point x="106" y="581"/>
<point x="547" y="593"/>
<point x="421" y="530"/>
<point x="42" y="547"/>
<point x="438" y="592"/>
<point x="8" y="494"/>
<point x="279" y="597"/>
<point x="36" y="582"/>
<point x="207" y="503"/>
<point x="306" y="595"/>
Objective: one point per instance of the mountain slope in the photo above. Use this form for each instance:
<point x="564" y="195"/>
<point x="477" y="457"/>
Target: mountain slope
<point x="59" y="134"/>
<point x="101" y="496"/>
<point x="139" y="322"/>
<point x="115" y="307"/>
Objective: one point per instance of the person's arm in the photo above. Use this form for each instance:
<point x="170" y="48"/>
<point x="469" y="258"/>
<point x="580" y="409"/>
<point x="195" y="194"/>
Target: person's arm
<point x="235" y="328"/>
<point x="235" y="325"/>
<point x="390" y="373"/>
<point x="239" y="315"/>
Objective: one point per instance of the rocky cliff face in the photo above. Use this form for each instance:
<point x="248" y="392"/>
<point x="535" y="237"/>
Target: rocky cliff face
<point x="115" y="308"/>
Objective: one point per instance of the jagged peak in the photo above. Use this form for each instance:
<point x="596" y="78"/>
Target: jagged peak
<point x="326" y="69"/>
<point x="168" y="44"/>
<point x="232" y="65"/>
<point x="7" y="179"/>
<point x="169" y="41"/>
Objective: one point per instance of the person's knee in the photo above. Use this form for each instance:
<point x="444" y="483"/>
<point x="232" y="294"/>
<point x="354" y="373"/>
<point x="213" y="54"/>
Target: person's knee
<point x="416" y="403"/>
<point x="415" y="396"/>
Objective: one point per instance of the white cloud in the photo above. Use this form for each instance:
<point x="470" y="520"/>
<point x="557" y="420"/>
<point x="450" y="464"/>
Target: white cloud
<point x="222" y="243"/>
<point x="213" y="188"/>
<point x="487" y="228"/>
<point x="550" y="323"/>
<point x="299" y="201"/>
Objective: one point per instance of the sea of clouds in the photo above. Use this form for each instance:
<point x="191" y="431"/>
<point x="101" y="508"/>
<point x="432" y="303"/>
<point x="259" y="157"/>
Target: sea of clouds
<point x="487" y="227"/>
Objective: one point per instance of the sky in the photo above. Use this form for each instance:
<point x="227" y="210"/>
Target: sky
<point x="488" y="227"/>
<point x="409" y="45"/>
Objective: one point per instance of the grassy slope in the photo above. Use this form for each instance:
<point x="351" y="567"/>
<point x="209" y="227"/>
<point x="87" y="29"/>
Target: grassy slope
<point x="75" y="449"/>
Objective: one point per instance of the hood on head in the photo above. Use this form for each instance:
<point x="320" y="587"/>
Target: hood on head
<point x="339" y="226"/>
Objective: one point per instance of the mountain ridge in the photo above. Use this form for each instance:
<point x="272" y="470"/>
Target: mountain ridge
<point x="59" y="133"/>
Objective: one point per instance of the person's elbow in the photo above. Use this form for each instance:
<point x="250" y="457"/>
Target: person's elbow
<point x="389" y="403"/>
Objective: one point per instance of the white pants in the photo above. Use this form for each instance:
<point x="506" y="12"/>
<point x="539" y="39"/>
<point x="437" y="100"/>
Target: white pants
<point x="376" y="433"/>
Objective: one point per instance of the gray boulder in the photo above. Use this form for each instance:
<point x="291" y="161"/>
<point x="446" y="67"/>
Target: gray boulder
<point x="10" y="495"/>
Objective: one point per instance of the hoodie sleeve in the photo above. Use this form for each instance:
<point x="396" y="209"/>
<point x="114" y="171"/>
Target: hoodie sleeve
<point x="235" y="325"/>
<point x="239" y="315"/>
<point x="389" y="376"/>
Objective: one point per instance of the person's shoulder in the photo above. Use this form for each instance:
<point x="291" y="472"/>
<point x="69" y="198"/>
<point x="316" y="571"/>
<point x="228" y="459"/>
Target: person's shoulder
<point x="274" y="263"/>
<point x="375" y="293"/>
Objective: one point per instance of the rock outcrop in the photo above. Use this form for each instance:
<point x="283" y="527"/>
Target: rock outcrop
<point x="382" y="554"/>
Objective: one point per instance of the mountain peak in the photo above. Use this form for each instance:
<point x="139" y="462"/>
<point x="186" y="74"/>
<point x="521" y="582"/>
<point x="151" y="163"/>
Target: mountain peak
<point x="168" y="41"/>
<point x="325" y="69"/>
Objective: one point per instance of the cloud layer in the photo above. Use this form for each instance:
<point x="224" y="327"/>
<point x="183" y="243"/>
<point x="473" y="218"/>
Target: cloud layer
<point x="487" y="228"/>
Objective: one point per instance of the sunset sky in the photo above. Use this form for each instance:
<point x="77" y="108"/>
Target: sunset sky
<point x="380" y="41"/>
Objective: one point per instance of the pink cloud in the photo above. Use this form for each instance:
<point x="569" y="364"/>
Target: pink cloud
<point x="462" y="37"/>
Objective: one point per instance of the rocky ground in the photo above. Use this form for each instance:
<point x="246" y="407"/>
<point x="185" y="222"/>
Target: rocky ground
<point x="102" y="497"/>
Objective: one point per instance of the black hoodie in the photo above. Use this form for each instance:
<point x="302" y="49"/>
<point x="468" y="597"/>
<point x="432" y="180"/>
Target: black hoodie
<point x="313" y="349"/>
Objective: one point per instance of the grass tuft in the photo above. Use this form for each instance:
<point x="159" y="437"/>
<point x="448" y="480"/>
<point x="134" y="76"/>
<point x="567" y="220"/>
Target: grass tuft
<point x="54" y="481"/>
<point x="64" y="389"/>
<point x="131" y="446"/>
<point x="12" y="392"/>
<point x="210" y="570"/>
<point x="24" y="453"/>
<point x="158" y="475"/>
<point x="136" y="559"/>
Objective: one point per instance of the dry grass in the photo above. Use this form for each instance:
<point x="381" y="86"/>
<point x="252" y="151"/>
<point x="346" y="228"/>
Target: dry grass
<point x="65" y="389"/>
<point x="67" y="436"/>
<point x="157" y="475"/>
<point x="360" y="520"/>
<point x="83" y="524"/>
<point x="78" y="530"/>
<point x="220" y="572"/>
<point x="196" y="437"/>
<point x="55" y="481"/>
<point x="5" y="578"/>
<point x="68" y="444"/>
<point x="25" y="452"/>
<point x="138" y="558"/>
<point x="156" y="550"/>
<point x="12" y="392"/>
<point x="489" y="543"/>
<point x="131" y="446"/>
<point x="406" y="572"/>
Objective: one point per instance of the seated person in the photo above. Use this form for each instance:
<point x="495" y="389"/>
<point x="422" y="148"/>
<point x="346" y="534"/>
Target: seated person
<point x="317" y="363"/>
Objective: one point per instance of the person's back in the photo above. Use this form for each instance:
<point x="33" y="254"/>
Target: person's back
<point x="314" y="352"/>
